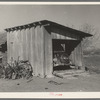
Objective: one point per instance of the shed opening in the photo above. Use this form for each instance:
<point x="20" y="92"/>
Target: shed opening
<point x="62" y="50"/>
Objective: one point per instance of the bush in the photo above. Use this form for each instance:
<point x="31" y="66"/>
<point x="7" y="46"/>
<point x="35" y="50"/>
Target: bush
<point x="16" y="69"/>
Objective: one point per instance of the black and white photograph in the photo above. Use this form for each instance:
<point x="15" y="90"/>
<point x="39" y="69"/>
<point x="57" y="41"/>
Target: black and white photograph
<point x="49" y="48"/>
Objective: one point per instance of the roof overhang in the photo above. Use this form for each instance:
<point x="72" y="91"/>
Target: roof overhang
<point x="51" y="24"/>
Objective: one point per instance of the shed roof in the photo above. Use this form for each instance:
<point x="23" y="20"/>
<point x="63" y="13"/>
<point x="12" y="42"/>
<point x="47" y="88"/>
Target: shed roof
<point x="51" y="24"/>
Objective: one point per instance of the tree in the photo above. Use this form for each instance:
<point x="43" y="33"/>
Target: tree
<point x="89" y="42"/>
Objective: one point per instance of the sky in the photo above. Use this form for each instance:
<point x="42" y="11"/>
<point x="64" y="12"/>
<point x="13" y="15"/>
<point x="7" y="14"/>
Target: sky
<point x="68" y="15"/>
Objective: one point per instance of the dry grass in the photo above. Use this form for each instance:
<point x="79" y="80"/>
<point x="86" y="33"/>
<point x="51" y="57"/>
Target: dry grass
<point x="93" y="63"/>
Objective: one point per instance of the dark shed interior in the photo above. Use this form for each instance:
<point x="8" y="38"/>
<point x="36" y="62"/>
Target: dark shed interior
<point x="63" y="48"/>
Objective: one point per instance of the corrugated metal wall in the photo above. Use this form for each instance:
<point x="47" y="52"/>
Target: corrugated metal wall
<point x="63" y="34"/>
<point x="76" y="56"/>
<point x="28" y="44"/>
<point x="48" y="53"/>
<point x="35" y="44"/>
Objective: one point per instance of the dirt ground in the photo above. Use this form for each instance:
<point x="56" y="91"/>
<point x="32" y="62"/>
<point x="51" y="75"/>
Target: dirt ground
<point x="87" y="83"/>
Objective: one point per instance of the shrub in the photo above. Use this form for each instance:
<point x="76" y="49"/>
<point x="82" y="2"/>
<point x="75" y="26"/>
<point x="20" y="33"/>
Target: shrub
<point x="17" y="69"/>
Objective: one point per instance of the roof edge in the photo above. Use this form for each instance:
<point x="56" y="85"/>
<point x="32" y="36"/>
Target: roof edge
<point x="44" y="22"/>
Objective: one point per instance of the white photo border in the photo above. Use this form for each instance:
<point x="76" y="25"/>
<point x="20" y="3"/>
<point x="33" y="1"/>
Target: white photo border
<point x="40" y="95"/>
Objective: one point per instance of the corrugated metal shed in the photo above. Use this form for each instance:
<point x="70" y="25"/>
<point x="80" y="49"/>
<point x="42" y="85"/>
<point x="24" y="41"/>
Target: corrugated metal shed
<point x="34" y="42"/>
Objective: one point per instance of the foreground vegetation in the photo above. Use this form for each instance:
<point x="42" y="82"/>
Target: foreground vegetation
<point x="92" y="62"/>
<point x="16" y="69"/>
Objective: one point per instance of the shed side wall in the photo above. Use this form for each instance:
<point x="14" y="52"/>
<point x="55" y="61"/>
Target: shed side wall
<point x="62" y="34"/>
<point x="27" y="44"/>
<point x="76" y="56"/>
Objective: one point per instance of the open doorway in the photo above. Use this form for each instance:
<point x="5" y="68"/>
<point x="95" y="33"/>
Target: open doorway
<point x="61" y="53"/>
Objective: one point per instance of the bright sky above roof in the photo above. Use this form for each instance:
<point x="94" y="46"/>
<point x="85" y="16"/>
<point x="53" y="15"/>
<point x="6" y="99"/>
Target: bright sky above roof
<point x="76" y="15"/>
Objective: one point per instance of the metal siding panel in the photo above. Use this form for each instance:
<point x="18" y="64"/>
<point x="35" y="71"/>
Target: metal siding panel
<point x="15" y="49"/>
<point x="48" y="54"/>
<point x="76" y="56"/>
<point x="42" y="52"/>
<point x="33" y="51"/>
<point x="21" y="45"/>
<point x="38" y="40"/>
<point x="27" y="43"/>
<point x="30" y="44"/>
<point x="11" y="47"/>
<point x="39" y="46"/>
<point x="8" y="46"/>
<point x="61" y="36"/>
<point x="24" y="45"/>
